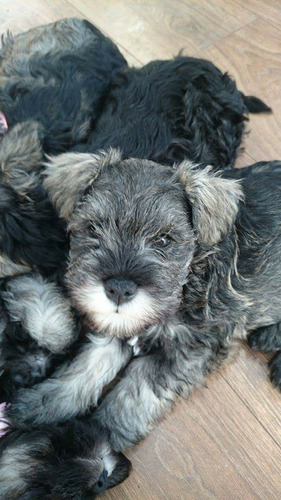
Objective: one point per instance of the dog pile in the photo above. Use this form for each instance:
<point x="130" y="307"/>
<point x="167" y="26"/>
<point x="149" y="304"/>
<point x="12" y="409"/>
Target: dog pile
<point x="121" y="249"/>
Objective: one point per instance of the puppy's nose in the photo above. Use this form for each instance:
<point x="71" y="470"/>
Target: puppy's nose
<point x="120" y="290"/>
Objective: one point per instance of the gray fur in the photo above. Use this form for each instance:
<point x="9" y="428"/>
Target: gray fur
<point x="65" y="34"/>
<point x="17" y="465"/>
<point x="205" y="253"/>
<point x="43" y="311"/>
<point x="20" y="157"/>
<point x="77" y="385"/>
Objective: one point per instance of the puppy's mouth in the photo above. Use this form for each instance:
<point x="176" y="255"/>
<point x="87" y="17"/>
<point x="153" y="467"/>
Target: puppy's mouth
<point x="122" y="320"/>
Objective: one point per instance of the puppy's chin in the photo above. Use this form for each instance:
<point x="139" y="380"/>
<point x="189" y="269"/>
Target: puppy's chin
<point x="122" y="321"/>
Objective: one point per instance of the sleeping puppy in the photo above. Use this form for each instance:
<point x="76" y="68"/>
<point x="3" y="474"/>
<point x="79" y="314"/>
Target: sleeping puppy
<point x="171" y="266"/>
<point x="72" y="462"/>
<point x="58" y="75"/>
<point x="168" y="111"/>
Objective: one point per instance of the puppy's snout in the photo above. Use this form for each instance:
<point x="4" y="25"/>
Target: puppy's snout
<point x="120" y="290"/>
<point x="102" y="482"/>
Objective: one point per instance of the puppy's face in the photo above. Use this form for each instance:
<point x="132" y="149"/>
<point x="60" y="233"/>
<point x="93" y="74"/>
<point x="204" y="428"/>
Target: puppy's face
<point x="131" y="245"/>
<point x="134" y="228"/>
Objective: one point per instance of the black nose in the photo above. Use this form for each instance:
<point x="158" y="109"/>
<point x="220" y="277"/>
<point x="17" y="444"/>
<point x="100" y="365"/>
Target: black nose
<point x="120" y="290"/>
<point x="102" y="482"/>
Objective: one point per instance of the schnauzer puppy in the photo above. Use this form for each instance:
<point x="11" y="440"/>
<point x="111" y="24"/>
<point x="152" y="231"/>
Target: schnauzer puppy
<point x="37" y="326"/>
<point x="58" y="75"/>
<point x="171" y="265"/>
<point x="71" y="462"/>
<point x="173" y="110"/>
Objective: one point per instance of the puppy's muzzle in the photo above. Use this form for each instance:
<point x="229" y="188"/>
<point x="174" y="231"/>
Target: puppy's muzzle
<point x="120" y="290"/>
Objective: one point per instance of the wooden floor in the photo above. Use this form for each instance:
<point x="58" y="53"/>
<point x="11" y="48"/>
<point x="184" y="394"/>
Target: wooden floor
<point x="225" y="442"/>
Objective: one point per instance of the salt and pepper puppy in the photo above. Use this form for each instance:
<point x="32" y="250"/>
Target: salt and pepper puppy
<point x="178" y="261"/>
<point x="71" y="462"/>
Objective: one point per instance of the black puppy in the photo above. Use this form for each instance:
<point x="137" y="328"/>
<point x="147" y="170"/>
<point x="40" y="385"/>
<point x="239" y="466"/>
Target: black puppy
<point x="173" y="110"/>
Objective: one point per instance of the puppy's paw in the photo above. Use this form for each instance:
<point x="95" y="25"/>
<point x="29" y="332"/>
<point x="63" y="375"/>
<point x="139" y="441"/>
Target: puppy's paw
<point x="27" y="409"/>
<point x="266" y="339"/>
<point x="275" y="370"/>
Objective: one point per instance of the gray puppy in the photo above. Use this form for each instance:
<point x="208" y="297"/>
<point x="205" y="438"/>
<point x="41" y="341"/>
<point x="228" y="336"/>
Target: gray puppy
<point x="170" y="265"/>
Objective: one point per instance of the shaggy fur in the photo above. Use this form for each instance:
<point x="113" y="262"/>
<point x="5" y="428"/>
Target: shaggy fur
<point x="37" y="327"/>
<point x="204" y="254"/>
<point x="63" y="81"/>
<point x="74" y="461"/>
<point x="71" y="462"/>
<point x="31" y="235"/>
<point x="173" y="110"/>
<point x="58" y="75"/>
<point x="53" y="81"/>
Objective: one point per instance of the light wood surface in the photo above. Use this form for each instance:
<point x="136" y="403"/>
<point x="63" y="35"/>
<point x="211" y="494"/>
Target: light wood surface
<point x="225" y="442"/>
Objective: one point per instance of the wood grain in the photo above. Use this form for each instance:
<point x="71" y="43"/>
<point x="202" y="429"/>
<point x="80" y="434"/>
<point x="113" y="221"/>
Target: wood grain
<point x="157" y="29"/>
<point x="269" y="11"/>
<point x="248" y="377"/>
<point x="225" y="442"/>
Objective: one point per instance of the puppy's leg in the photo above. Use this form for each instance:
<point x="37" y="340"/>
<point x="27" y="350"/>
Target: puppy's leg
<point x="149" y="388"/>
<point x="42" y="310"/>
<point x="266" y="338"/>
<point x="75" y="386"/>
<point x="275" y="370"/>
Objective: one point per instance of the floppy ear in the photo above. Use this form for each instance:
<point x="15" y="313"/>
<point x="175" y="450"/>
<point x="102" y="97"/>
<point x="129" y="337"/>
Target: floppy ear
<point x="214" y="201"/>
<point x="70" y="174"/>
<point x="21" y="156"/>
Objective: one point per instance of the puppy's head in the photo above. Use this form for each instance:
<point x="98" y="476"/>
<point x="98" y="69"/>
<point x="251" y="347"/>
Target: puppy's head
<point x="135" y="226"/>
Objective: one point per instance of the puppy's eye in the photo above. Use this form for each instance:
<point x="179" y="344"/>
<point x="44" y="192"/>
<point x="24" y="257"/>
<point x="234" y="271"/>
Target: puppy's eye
<point x="162" y="241"/>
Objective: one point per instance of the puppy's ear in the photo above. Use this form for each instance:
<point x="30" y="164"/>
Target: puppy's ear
<point x="21" y="156"/>
<point x="69" y="175"/>
<point x="214" y="201"/>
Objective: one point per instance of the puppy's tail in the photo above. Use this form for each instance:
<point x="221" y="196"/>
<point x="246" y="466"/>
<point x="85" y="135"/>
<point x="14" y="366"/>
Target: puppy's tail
<point x="255" y="105"/>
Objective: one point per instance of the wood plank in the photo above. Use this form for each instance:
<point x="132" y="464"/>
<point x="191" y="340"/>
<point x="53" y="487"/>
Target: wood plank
<point x="248" y="377"/>
<point x="269" y="10"/>
<point x="252" y="56"/>
<point x="18" y="17"/>
<point x="160" y="29"/>
<point x="210" y="447"/>
<point x="244" y="160"/>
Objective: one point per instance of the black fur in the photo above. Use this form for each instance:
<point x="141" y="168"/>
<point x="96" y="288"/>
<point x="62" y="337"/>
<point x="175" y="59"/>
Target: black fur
<point x="64" y="462"/>
<point x="173" y="110"/>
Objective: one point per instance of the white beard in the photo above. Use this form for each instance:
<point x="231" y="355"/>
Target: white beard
<point x="124" y="320"/>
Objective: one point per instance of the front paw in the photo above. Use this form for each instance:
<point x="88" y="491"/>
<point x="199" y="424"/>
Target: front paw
<point x="266" y="338"/>
<point x="121" y="437"/>
<point x="27" y="410"/>
<point x="275" y="370"/>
